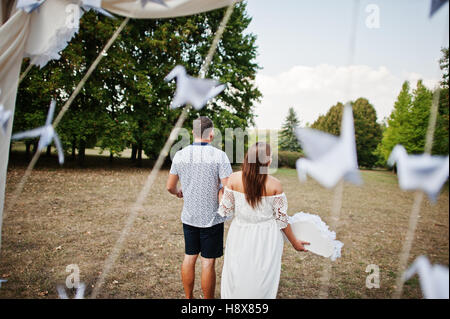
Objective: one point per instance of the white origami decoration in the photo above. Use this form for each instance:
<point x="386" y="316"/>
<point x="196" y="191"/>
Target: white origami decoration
<point x="5" y="116"/>
<point x="424" y="172"/>
<point x="161" y="2"/>
<point x="436" y="5"/>
<point x="330" y="158"/>
<point x="192" y="90"/>
<point x="29" y="5"/>
<point x="78" y="295"/>
<point x="47" y="134"/>
<point x="433" y="279"/>
<point x="311" y="228"/>
<point x="95" y="5"/>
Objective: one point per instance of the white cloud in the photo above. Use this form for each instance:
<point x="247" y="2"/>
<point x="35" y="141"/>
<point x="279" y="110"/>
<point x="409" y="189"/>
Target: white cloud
<point x="313" y="90"/>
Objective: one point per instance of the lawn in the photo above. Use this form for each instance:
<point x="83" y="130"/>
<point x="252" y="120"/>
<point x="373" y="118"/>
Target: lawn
<point x="74" y="216"/>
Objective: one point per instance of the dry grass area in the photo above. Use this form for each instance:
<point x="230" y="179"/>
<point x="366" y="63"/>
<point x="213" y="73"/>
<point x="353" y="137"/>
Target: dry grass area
<point x="74" y="216"/>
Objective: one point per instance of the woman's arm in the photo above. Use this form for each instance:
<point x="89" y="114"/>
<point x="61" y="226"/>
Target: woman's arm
<point x="297" y="244"/>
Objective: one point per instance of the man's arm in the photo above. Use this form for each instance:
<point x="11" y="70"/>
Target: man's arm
<point x="171" y="186"/>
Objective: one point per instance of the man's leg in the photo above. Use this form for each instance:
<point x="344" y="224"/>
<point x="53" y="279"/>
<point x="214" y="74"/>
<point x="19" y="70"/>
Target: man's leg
<point x="188" y="274"/>
<point x="211" y="248"/>
<point x="208" y="277"/>
<point x="192" y="249"/>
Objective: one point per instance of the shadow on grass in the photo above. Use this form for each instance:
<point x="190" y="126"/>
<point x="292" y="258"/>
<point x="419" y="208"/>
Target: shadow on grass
<point x="18" y="159"/>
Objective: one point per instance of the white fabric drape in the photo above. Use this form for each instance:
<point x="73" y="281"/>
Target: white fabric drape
<point x="175" y="8"/>
<point x="45" y="32"/>
<point x="13" y="37"/>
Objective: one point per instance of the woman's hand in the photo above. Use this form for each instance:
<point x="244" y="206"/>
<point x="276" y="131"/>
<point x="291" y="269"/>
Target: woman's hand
<point x="296" y="243"/>
<point x="220" y="194"/>
<point x="300" y="245"/>
<point x="180" y="193"/>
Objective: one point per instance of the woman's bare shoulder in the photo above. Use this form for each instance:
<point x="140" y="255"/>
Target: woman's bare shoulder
<point x="274" y="186"/>
<point x="235" y="180"/>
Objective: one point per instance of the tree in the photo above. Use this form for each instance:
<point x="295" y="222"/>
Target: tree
<point x="331" y="121"/>
<point x="288" y="139"/>
<point x="441" y="145"/>
<point x="126" y="100"/>
<point x="367" y="130"/>
<point x="395" y="132"/>
<point x="408" y="122"/>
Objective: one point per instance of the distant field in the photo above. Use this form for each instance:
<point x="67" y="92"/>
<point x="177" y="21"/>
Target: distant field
<point x="74" y="216"/>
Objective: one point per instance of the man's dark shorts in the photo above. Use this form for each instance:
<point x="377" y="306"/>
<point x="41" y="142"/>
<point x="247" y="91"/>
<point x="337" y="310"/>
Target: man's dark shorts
<point x="207" y="241"/>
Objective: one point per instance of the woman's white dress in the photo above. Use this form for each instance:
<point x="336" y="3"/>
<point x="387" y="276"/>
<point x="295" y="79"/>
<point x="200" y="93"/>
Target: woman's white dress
<point x="254" y="246"/>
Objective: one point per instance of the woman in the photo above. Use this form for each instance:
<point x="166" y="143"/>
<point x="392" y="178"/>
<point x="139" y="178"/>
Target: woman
<point x="252" y="262"/>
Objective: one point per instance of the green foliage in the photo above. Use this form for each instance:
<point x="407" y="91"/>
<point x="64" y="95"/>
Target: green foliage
<point x="288" y="158"/>
<point x="408" y="122"/>
<point x="288" y="139"/>
<point x="367" y="130"/>
<point x="126" y="100"/>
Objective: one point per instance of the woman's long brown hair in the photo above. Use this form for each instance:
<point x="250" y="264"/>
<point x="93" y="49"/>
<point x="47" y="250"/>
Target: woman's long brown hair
<point x="254" y="172"/>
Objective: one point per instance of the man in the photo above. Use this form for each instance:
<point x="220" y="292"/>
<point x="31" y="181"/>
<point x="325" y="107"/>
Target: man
<point x="202" y="170"/>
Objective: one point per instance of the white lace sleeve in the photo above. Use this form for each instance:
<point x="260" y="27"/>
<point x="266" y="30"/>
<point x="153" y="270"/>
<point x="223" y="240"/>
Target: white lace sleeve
<point x="280" y="207"/>
<point x="226" y="207"/>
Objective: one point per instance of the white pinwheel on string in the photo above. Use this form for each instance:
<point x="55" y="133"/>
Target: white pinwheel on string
<point x="5" y="116"/>
<point x="46" y="133"/>
<point x="30" y="5"/>
<point x="192" y="90"/>
<point x="78" y="295"/>
<point x="161" y="2"/>
<point x="420" y="172"/>
<point x="433" y="278"/>
<point x="436" y="5"/>
<point x="330" y="158"/>
<point x="95" y="5"/>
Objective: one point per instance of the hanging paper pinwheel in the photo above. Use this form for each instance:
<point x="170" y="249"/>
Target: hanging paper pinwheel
<point x="161" y="2"/>
<point x="424" y="172"/>
<point x="330" y="158"/>
<point x="78" y="295"/>
<point x="436" y="5"/>
<point x="433" y="278"/>
<point x="29" y="5"/>
<point x="95" y="5"/>
<point x="46" y="133"/>
<point x="192" y="90"/>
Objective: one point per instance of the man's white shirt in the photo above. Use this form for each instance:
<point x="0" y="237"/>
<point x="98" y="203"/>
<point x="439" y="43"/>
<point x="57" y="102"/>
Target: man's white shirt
<point x="200" y="167"/>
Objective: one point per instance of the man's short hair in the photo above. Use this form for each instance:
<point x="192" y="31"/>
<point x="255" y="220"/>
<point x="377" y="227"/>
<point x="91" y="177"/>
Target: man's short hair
<point x="202" y="127"/>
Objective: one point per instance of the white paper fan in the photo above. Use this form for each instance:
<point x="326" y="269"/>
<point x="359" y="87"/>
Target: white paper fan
<point x="311" y="228"/>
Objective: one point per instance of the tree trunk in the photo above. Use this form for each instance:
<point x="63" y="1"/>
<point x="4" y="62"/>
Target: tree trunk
<point x="111" y="157"/>
<point x="35" y="147"/>
<point x="74" y="146"/>
<point x="139" y="155"/>
<point x="133" y="152"/>
<point x="28" y="150"/>
<point x="81" y="153"/>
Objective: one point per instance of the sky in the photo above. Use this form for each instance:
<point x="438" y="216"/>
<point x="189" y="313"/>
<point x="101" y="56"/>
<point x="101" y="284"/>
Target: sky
<point x="304" y="49"/>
